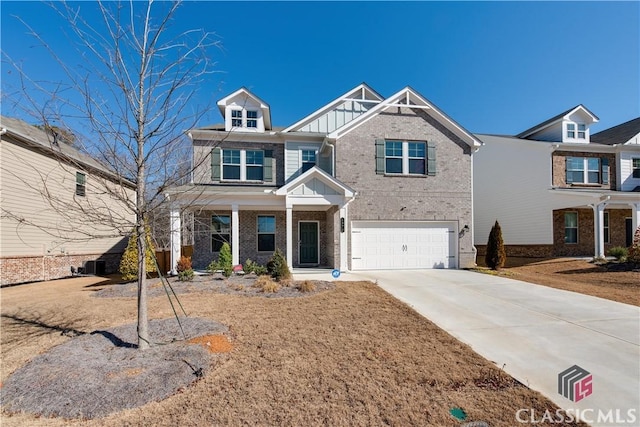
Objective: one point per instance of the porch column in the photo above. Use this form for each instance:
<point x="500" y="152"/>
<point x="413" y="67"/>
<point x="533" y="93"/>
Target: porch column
<point x="598" y="225"/>
<point x="344" y="219"/>
<point x="235" y="235"/>
<point x="175" y="239"/>
<point x="635" y="217"/>
<point x="290" y="235"/>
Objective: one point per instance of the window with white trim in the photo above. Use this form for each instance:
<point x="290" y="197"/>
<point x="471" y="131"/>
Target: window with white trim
<point x="586" y="170"/>
<point x="635" y="167"/>
<point x="393" y="157"/>
<point x="81" y="182"/>
<point x="236" y="118"/>
<point x="252" y="119"/>
<point x="403" y="157"/>
<point x="576" y="131"/>
<point x="307" y="159"/>
<point x="242" y="165"/>
<point x="220" y="231"/>
<point x="571" y="227"/>
<point x="266" y="233"/>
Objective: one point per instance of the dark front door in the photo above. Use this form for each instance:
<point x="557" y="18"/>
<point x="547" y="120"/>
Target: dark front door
<point x="308" y="236"/>
<point x="629" y="230"/>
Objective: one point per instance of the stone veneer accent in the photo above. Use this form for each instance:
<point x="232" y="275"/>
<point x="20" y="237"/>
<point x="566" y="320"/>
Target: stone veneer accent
<point x="14" y="270"/>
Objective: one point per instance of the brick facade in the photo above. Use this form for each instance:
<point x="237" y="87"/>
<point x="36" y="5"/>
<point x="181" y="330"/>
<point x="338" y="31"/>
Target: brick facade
<point x="586" y="239"/>
<point x="559" y="168"/>
<point x="443" y="197"/>
<point x="26" y="269"/>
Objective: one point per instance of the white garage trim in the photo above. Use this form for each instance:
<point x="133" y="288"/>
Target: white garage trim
<point x="391" y="245"/>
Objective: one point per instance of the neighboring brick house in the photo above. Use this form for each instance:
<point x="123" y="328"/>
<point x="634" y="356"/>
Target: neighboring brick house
<point x="59" y="208"/>
<point x="558" y="190"/>
<point x="362" y="183"/>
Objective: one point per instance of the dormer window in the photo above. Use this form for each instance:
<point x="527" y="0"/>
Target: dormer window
<point x="252" y="119"/>
<point x="576" y="131"/>
<point x="236" y="118"/>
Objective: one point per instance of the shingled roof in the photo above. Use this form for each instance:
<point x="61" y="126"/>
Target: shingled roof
<point x="619" y="134"/>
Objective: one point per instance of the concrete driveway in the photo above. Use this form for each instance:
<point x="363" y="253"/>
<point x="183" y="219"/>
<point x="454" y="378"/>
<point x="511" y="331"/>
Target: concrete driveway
<point x="534" y="332"/>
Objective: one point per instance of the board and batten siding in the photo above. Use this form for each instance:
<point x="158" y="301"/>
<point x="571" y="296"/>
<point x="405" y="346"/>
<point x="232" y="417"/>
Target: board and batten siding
<point x="23" y="176"/>
<point x="338" y="117"/>
<point x="511" y="182"/>
<point x="626" y="179"/>
<point x="292" y="157"/>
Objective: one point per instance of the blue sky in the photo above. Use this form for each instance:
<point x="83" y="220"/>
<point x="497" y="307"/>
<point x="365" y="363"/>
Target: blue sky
<point x="494" y="67"/>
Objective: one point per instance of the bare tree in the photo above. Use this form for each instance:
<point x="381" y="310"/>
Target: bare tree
<point x="133" y="92"/>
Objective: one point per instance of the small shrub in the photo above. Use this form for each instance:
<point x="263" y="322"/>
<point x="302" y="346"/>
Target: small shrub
<point x="496" y="255"/>
<point x="277" y="266"/>
<point x="619" y="253"/>
<point x="213" y="266"/>
<point x="634" y="250"/>
<point x="225" y="258"/>
<point x="129" y="261"/>
<point x="227" y="271"/>
<point x="186" y="275"/>
<point x="306" y="286"/>
<point x="184" y="263"/>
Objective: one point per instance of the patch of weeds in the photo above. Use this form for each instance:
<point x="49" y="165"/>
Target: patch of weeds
<point x="494" y="379"/>
<point x="266" y="284"/>
<point x="237" y="287"/>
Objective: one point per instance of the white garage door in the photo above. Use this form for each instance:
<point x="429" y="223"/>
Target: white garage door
<point x="390" y="245"/>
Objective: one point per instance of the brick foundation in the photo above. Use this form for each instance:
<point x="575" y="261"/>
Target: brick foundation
<point x="38" y="268"/>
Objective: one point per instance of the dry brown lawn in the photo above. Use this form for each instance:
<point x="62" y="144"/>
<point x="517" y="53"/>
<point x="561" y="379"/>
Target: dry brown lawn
<point x="352" y="355"/>
<point x="577" y="275"/>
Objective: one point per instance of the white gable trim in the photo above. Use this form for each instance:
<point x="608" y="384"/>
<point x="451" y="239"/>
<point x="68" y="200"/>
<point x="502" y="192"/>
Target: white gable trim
<point x="320" y="175"/>
<point x="266" y="110"/>
<point x="560" y="119"/>
<point x="408" y="97"/>
<point x="363" y="90"/>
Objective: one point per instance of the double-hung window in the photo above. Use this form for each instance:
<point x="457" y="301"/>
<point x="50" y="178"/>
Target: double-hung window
<point x="252" y="119"/>
<point x="81" y="181"/>
<point x="576" y="131"/>
<point x="266" y="233"/>
<point x="231" y="164"/>
<point x="405" y="157"/>
<point x="254" y="160"/>
<point x="220" y="231"/>
<point x="571" y="227"/>
<point x="585" y="170"/>
<point x="308" y="159"/>
<point x="635" y="166"/>
<point x="236" y="118"/>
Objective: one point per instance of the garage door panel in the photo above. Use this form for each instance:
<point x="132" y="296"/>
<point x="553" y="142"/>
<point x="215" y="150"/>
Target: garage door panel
<point x="398" y="245"/>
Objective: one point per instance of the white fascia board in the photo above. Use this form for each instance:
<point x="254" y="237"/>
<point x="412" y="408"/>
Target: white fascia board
<point x="594" y="118"/>
<point x="408" y="94"/>
<point x="582" y="147"/>
<point x="315" y="172"/>
<point x="333" y="104"/>
<point x="222" y="104"/>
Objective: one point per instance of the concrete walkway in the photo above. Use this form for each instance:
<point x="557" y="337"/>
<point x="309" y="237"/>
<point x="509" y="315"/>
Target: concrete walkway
<point x="534" y="332"/>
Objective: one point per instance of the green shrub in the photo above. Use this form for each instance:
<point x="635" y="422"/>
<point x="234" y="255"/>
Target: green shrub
<point x="129" y="261"/>
<point x="496" y="255"/>
<point x="277" y="266"/>
<point x="186" y="275"/>
<point x="618" y="252"/>
<point x="225" y="259"/>
<point x="213" y="266"/>
<point x="254" y="267"/>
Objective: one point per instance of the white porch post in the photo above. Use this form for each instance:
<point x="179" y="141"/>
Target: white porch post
<point x="635" y="217"/>
<point x="176" y="238"/>
<point x="235" y="235"/>
<point x="289" y="222"/>
<point x="344" y="219"/>
<point x="598" y="224"/>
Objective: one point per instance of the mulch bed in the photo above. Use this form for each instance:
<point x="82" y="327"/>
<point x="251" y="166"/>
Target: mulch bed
<point x="216" y="283"/>
<point x="95" y="374"/>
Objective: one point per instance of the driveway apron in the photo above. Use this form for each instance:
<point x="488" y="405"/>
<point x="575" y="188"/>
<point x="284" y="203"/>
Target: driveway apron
<point x="535" y="333"/>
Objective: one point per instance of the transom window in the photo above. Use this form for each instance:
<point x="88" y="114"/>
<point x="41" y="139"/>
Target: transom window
<point x="635" y="165"/>
<point x="220" y="231"/>
<point x="242" y="165"/>
<point x="266" y="233"/>
<point x="576" y="130"/>
<point x="571" y="227"/>
<point x="585" y="170"/>
<point x="308" y="158"/>
<point x="81" y="181"/>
